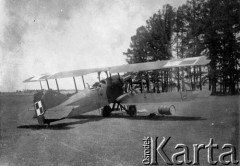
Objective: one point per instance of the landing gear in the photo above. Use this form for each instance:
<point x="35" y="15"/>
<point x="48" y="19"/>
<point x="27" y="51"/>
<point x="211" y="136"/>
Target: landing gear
<point x="106" y="111"/>
<point x="48" y="125"/>
<point x="132" y="110"/>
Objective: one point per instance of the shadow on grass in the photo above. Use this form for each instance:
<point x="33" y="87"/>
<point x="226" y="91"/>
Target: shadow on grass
<point x="91" y="118"/>
<point x="143" y="117"/>
<point x="57" y="126"/>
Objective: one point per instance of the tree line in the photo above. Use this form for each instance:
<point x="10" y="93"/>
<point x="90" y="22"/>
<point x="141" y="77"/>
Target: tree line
<point x="198" y="27"/>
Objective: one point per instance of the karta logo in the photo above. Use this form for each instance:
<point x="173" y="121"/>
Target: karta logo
<point x="153" y="151"/>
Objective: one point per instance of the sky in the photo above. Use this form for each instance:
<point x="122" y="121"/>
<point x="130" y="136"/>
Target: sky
<point x="47" y="36"/>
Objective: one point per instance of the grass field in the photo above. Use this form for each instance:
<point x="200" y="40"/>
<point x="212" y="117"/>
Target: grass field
<point x="117" y="140"/>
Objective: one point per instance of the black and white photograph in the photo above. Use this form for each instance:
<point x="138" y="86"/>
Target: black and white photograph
<point x="119" y="82"/>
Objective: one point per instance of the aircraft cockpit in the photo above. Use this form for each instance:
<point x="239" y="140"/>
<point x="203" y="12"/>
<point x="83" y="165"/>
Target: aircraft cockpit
<point x="97" y="85"/>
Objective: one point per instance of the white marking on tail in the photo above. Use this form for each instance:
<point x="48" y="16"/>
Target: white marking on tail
<point x="39" y="108"/>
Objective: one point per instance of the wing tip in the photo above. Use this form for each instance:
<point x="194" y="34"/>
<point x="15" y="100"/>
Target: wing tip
<point x="28" y="80"/>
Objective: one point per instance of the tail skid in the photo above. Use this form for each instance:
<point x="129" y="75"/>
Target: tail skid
<point x="48" y="121"/>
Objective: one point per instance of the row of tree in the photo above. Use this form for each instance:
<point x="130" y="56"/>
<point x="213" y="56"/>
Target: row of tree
<point x="199" y="27"/>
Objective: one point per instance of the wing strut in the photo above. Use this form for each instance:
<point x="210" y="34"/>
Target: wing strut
<point x="183" y="83"/>
<point x="200" y="79"/>
<point x="99" y="76"/>
<point x="75" y="84"/>
<point x="47" y="84"/>
<point x="83" y="82"/>
<point x="40" y="84"/>
<point x="178" y="79"/>
<point x="57" y="85"/>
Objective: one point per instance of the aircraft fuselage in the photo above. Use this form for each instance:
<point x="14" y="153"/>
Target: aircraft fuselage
<point x="89" y="99"/>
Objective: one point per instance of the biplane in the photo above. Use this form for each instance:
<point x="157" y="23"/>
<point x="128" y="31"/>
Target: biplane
<point x="114" y="92"/>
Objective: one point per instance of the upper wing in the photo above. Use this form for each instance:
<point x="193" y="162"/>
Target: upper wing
<point x="75" y="73"/>
<point x="195" y="61"/>
<point x="65" y="74"/>
<point x="37" y="78"/>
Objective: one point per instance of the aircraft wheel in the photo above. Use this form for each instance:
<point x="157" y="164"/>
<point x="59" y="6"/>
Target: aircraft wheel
<point x="106" y="111"/>
<point x="132" y="110"/>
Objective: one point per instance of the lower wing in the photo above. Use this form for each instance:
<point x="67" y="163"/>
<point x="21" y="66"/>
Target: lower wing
<point x="153" y="98"/>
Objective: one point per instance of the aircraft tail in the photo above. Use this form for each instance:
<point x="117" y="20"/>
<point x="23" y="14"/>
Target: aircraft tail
<point x="40" y="111"/>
